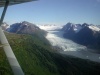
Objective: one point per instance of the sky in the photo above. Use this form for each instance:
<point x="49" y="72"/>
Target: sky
<point x="57" y="12"/>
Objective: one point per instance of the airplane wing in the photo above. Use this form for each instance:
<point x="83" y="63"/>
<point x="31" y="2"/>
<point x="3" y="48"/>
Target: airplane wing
<point x="13" y="2"/>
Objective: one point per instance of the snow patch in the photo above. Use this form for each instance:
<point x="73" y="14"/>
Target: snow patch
<point x="77" y="28"/>
<point x="94" y="28"/>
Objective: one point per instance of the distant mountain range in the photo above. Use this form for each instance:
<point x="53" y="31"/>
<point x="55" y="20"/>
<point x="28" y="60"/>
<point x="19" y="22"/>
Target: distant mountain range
<point x="85" y="34"/>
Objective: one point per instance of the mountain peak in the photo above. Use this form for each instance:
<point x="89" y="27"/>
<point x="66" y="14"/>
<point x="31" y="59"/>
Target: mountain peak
<point x="23" y="27"/>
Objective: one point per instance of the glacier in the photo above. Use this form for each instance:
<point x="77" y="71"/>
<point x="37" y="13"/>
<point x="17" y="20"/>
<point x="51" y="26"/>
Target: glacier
<point x="55" y="37"/>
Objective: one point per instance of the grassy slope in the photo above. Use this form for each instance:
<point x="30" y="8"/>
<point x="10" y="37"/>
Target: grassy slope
<point x="36" y="58"/>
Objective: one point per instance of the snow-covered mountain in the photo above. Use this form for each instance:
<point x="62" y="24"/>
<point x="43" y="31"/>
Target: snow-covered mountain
<point x="23" y="27"/>
<point x="73" y="27"/>
<point x="85" y="34"/>
<point x="26" y="28"/>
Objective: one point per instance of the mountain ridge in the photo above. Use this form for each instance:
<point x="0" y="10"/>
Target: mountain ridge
<point x="87" y="34"/>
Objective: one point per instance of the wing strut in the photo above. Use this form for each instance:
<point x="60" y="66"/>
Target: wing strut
<point x="7" y="49"/>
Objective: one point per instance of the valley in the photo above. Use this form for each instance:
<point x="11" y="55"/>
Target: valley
<point x="68" y="46"/>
